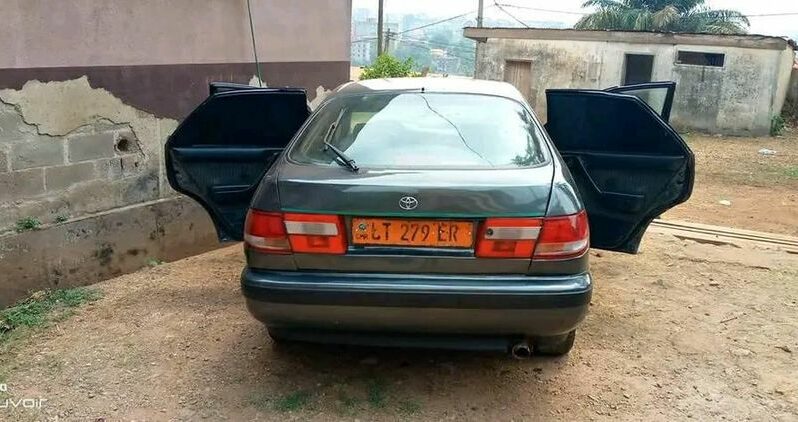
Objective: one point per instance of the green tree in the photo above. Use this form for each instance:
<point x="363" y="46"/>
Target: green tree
<point x="387" y="66"/>
<point x="662" y="16"/>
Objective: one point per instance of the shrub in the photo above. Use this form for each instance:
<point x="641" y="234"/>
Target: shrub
<point x="777" y="125"/>
<point x="28" y="224"/>
<point x="387" y="66"/>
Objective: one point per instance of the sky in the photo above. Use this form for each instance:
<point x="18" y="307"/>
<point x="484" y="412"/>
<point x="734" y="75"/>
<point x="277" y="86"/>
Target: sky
<point x="772" y="25"/>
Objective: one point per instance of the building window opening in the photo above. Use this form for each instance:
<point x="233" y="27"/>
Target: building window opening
<point x="701" y="59"/>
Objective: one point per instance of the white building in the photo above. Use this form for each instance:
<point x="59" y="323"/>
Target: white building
<point x="733" y="84"/>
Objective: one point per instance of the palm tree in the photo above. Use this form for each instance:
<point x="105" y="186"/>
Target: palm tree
<point x="662" y="16"/>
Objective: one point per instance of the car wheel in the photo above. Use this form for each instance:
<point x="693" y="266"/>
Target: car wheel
<point x="556" y="345"/>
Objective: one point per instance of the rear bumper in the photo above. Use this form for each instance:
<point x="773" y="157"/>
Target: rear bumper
<point x="408" y="303"/>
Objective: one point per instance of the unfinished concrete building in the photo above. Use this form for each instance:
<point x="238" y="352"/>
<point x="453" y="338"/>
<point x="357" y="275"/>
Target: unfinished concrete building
<point x="730" y="84"/>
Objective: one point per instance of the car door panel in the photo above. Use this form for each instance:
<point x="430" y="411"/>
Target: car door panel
<point x="219" y="154"/>
<point x="628" y="164"/>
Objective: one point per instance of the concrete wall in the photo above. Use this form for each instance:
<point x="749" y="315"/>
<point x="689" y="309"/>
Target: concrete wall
<point x="71" y="150"/>
<point x="159" y="56"/>
<point x="89" y="91"/>
<point x="740" y="98"/>
<point x="100" y="246"/>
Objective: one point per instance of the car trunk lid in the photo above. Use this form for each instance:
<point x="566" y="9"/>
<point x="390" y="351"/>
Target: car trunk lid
<point x="470" y="193"/>
<point x="463" y="196"/>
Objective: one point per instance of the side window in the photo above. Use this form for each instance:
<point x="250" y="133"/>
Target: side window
<point x="697" y="58"/>
<point x="657" y="95"/>
<point x="357" y="121"/>
<point x="655" y="98"/>
<point x="603" y="122"/>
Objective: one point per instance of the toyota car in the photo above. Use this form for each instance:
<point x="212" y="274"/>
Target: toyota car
<point x="429" y="212"/>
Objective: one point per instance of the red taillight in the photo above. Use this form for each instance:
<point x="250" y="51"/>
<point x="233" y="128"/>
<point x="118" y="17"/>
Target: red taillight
<point x="265" y="232"/>
<point x="541" y="238"/>
<point x="316" y="233"/>
<point x="507" y="237"/>
<point x="563" y="237"/>
<point x="278" y="233"/>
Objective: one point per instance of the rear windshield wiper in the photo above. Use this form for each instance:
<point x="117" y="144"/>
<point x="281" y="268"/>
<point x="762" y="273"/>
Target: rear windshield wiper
<point x="343" y="159"/>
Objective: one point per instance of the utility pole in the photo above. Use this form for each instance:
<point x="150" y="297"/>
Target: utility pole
<point x="379" y="27"/>
<point x="480" y="15"/>
<point x="388" y="41"/>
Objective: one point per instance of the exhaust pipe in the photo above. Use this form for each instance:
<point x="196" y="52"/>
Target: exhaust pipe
<point x="521" y="350"/>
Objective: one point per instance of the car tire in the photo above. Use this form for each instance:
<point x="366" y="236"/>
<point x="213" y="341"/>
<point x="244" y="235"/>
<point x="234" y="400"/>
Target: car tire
<point x="556" y="345"/>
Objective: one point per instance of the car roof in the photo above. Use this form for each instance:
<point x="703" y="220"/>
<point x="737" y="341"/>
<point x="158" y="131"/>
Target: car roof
<point x="429" y="84"/>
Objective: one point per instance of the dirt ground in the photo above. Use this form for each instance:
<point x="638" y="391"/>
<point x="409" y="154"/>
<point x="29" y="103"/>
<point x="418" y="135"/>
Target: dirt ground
<point x="683" y="330"/>
<point x="762" y="189"/>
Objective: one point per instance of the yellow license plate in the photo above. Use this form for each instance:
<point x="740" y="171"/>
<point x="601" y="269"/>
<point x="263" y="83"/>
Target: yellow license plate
<point x="425" y="233"/>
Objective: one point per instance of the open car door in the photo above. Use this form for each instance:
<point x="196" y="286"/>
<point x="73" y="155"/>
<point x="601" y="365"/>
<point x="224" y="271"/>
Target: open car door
<point x="629" y="165"/>
<point x="658" y="95"/>
<point x="220" y="152"/>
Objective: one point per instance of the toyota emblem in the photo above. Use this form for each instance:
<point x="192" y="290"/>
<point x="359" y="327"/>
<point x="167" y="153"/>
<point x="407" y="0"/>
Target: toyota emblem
<point x="408" y="203"/>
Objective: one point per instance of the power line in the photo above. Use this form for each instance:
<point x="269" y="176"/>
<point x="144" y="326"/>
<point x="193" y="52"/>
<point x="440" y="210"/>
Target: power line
<point x="364" y="39"/>
<point x="515" y="6"/>
<point x="510" y="14"/>
<point x="767" y="15"/>
<point x="451" y="18"/>
<point x="436" y="22"/>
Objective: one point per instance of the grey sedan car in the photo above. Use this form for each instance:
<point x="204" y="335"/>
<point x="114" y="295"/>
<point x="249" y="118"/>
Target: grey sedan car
<point x="429" y="211"/>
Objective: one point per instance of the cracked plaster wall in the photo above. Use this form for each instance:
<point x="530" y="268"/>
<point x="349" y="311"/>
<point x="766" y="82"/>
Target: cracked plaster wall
<point x="67" y="150"/>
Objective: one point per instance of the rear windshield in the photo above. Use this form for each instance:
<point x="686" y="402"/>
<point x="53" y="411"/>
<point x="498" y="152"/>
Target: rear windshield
<point x="413" y="129"/>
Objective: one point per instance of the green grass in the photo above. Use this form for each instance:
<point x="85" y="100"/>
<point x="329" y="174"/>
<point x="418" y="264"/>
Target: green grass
<point x="154" y="262"/>
<point x="292" y="402"/>
<point x="377" y="393"/>
<point x="260" y="399"/>
<point x="43" y="307"/>
<point x="349" y="404"/>
<point x="409" y="407"/>
<point x="28" y="224"/>
<point x="791" y="172"/>
<point x="777" y="125"/>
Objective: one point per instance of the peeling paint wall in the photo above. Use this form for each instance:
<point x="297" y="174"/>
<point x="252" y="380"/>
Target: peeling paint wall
<point x="89" y="93"/>
<point x="90" y="170"/>
<point x="68" y="150"/>
<point x="740" y="98"/>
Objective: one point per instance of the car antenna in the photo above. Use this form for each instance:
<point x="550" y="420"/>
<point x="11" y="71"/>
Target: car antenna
<point x="254" y="46"/>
